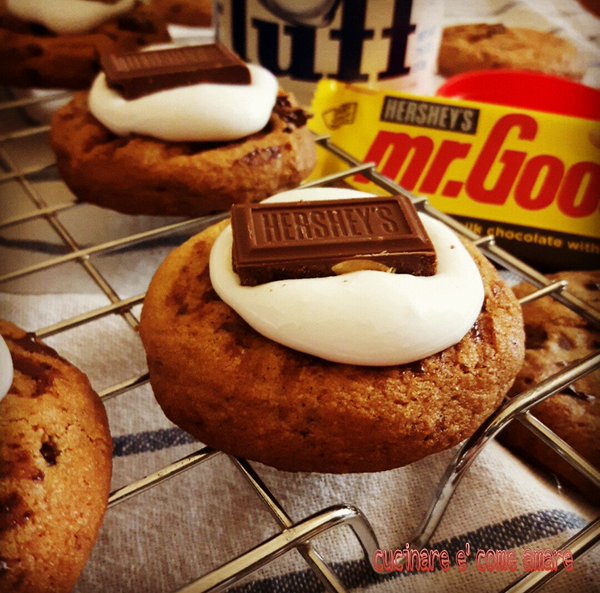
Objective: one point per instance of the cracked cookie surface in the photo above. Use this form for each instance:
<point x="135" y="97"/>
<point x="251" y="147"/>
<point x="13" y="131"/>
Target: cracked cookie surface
<point x="141" y="175"/>
<point x="556" y="336"/>
<point x="485" y="46"/>
<point x="55" y="469"/>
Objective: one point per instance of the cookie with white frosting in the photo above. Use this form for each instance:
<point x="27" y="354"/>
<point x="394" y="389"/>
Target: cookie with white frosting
<point x="58" y="44"/>
<point x="55" y="468"/>
<point x="344" y="404"/>
<point x="182" y="151"/>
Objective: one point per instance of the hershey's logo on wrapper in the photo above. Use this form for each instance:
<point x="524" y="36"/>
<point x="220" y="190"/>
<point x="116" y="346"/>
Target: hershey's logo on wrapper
<point x="425" y="114"/>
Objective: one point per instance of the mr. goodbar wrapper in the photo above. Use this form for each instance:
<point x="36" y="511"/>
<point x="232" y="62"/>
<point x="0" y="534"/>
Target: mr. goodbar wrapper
<point x="532" y="179"/>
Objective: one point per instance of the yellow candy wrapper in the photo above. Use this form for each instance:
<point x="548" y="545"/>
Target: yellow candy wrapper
<point x="531" y="179"/>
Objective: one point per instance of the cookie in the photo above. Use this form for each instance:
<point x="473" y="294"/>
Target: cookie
<point x="191" y="13"/>
<point x="490" y="46"/>
<point x="555" y="336"/>
<point x="240" y="392"/>
<point x="33" y="56"/>
<point x="142" y="175"/>
<point x="55" y="469"/>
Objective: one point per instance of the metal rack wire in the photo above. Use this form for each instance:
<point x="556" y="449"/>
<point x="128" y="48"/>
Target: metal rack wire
<point x="297" y="535"/>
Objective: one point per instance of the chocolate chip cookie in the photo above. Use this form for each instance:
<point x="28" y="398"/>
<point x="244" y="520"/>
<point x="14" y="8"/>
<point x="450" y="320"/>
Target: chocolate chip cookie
<point x="490" y="46"/>
<point x="33" y="56"/>
<point x="556" y="336"/>
<point x="141" y="175"/>
<point x="191" y="13"/>
<point x="240" y="392"/>
<point x="55" y="469"/>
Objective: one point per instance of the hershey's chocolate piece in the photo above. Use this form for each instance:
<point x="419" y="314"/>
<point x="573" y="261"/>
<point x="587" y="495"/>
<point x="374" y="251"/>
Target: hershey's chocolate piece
<point x="276" y="241"/>
<point x="136" y="74"/>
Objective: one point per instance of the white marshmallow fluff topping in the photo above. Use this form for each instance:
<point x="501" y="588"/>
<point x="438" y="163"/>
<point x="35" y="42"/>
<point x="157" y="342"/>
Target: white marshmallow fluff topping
<point x="366" y="317"/>
<point x="67" y="16"/>
<point x="204" y="112"/>
<point x="6" y="368"/>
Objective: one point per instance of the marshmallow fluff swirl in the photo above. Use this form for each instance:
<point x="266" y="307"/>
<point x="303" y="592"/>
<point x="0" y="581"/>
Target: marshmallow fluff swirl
<point x="204" y="112"/>
<point x="6" y="368"/>
<point x="66" y="17"/>
<point x="366" y="317"/>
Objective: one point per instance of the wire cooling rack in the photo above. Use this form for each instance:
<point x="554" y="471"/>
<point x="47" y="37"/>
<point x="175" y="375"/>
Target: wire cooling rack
<point x="19" y="178"/>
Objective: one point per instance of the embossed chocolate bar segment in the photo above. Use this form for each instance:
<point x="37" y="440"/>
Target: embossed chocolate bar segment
<point x="136" y="74"/>
<point x="276" y="241"/>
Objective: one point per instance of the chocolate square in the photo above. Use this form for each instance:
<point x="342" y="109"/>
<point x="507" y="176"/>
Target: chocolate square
<point x="275" y="241"/>
<point x="135" y="74"/>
